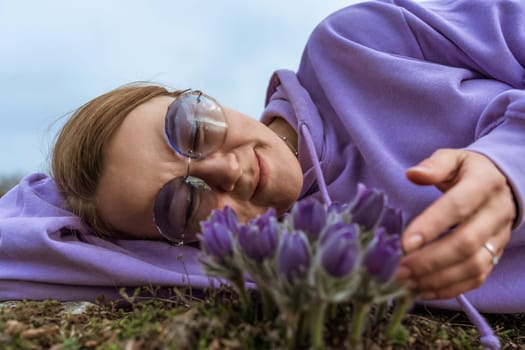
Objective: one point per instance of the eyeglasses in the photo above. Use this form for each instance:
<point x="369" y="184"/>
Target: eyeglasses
<point x="195" y="127"/>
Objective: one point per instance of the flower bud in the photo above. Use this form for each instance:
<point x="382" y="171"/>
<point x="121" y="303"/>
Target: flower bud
<point x="337" y="228"/>
<point x="226" y="217"/>
<point x="309" y="216"/>
<point x="216" y="240"/>
<point x="392" y="221"/>
<point x="259" y="243"/>
<point x="339" y="253"/>
<point x="337" y="207"/>
<point x="267" y="219"/>
<point x="368" y="207"/>
<point x="294" y="255"/>
<point x="382" y="256"/>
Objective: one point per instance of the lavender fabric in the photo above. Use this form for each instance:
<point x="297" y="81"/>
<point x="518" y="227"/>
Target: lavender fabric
<point x="380" y="86"/>
<point x="46" y="252"/>
<point x="383" y="84"/>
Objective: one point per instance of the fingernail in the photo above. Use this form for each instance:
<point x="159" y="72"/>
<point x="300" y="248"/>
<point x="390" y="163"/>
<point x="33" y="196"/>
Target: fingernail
<point x="403" y="273"/>
<point x="420" y="168"/>
<point x="428" y="295"/>
<point x="413" y="242"/>
<point x="425" y="166"/>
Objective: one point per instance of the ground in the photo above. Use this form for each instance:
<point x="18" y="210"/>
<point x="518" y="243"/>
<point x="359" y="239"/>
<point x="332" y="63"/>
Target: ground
<point x="215" y="321"/>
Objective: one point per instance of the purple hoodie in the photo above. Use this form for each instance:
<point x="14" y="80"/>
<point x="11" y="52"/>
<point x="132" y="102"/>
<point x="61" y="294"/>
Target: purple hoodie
<point x="380" y="87"/>
<point x="383" y="84"/>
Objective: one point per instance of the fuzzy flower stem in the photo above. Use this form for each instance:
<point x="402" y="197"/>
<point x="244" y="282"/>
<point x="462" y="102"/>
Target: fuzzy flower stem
<point x="399" y="311"/>
<point x="381" y="310"/>
<point x="238" y="283"/>
<point x="358" y="324"/>
<point x="303" y="328"/>
<point x="332" y="311"/>
<point x="244" y="297"/>
<point x="291" y="321"/>
<point x="266" y="304"/>
<point x="317" y="317"/>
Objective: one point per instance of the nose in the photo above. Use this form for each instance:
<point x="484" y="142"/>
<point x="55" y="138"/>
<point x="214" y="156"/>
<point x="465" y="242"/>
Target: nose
<point x="219" y="170"/>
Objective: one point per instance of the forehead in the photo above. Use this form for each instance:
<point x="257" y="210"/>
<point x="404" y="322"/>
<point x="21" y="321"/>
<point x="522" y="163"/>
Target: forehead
<point x="140" y="138"/>
<point x="138" y="161"/>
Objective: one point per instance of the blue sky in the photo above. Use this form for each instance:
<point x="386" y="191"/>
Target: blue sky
<point x="56" y="55"/>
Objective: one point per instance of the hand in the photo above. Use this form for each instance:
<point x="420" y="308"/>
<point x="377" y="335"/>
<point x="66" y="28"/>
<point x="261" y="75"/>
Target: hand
<point x="477" y="206"/>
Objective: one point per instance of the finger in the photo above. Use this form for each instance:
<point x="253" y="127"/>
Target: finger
<point x="455" y="206"/>
<point x="462" y="243"/>
<point x="440" y="168"/>
<point x="480" y="264"/>
<point x="477" y="266"/>
<point x="454" y="290"/>
<point x="474" y="181"/>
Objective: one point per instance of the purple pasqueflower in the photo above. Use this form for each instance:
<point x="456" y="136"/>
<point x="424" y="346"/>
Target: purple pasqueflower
<point x="258" y="243"/>
<point x="339" y="253"/>
<point x="294" y="255"/>
<point x="382" y="256"/>
<point x="269" y="218"/>
<point x="216" y="240"/>
<point x="336" y="207"/>
<point x="226" y="217"/>
<point x="368" y="207"/>
<point x="309" y="216"/>
<point x="392" y="221"/>
<point x="338" y="228"/>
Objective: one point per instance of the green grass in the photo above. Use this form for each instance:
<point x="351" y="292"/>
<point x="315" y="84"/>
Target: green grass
<point x="215" y="320"/>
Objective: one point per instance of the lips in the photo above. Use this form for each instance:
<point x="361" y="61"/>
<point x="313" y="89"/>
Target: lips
<point x="260" y="174"/>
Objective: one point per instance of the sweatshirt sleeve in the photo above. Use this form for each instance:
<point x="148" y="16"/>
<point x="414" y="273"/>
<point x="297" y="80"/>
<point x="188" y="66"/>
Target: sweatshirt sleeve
<point x="486" y="37"/>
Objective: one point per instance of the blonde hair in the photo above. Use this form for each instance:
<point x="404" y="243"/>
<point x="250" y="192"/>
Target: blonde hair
<point x="79" y="152"/>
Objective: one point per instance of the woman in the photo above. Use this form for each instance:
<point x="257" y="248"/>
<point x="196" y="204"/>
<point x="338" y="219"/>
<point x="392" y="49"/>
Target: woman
<point x="382" y="86"/>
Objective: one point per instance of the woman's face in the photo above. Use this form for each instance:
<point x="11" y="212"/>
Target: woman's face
<point x="252" y="170"/>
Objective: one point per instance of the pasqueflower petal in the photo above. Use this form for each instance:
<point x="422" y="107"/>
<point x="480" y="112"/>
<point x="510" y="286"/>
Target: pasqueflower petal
<point x="259" y="243"/>
<point x="216" y="240"/>
<point x="339" y="254"/>
<point x="226" y="217"/>
<point x="382" y="256"/>
<point x="392" y="221"/>
<point x="368" y="207"/>
<point x="309" y="216"/>
<point x="294" y="255"/>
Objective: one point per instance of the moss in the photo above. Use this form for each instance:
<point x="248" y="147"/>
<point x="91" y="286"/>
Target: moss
<point x="215" y="320"/>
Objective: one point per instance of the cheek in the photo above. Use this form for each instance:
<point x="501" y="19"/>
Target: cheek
<point x="285" y="184"/>
<point x="245" y="215"/>
<point x="244" y="210"/>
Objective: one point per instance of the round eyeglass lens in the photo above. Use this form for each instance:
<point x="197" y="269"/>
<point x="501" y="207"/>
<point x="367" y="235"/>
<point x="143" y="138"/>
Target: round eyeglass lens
<point x="195" y="125"/>
<point x="179" y="207"/>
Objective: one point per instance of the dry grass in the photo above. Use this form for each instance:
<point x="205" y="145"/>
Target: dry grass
<point x="216" y="321"/>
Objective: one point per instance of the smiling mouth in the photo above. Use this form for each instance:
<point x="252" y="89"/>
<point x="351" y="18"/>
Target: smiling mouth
<point x="261" y="175"/>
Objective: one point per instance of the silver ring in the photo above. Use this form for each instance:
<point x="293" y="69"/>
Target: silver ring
<point x="492" y="251"/>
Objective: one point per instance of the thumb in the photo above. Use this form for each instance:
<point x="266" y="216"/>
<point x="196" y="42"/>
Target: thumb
<point x="440" y="169"/>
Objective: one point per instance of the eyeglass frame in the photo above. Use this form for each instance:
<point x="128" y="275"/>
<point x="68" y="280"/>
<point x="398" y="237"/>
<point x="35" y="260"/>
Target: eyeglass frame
<point x="187" y="178"/>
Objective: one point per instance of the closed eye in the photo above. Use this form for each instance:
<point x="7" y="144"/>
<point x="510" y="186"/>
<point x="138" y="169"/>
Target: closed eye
<point x="198" y="133"/>
<point x="195" y="188"/>
<point x="190" y="204"/>
<point x="200" y="202"/>
<point x="194" y="136"/>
